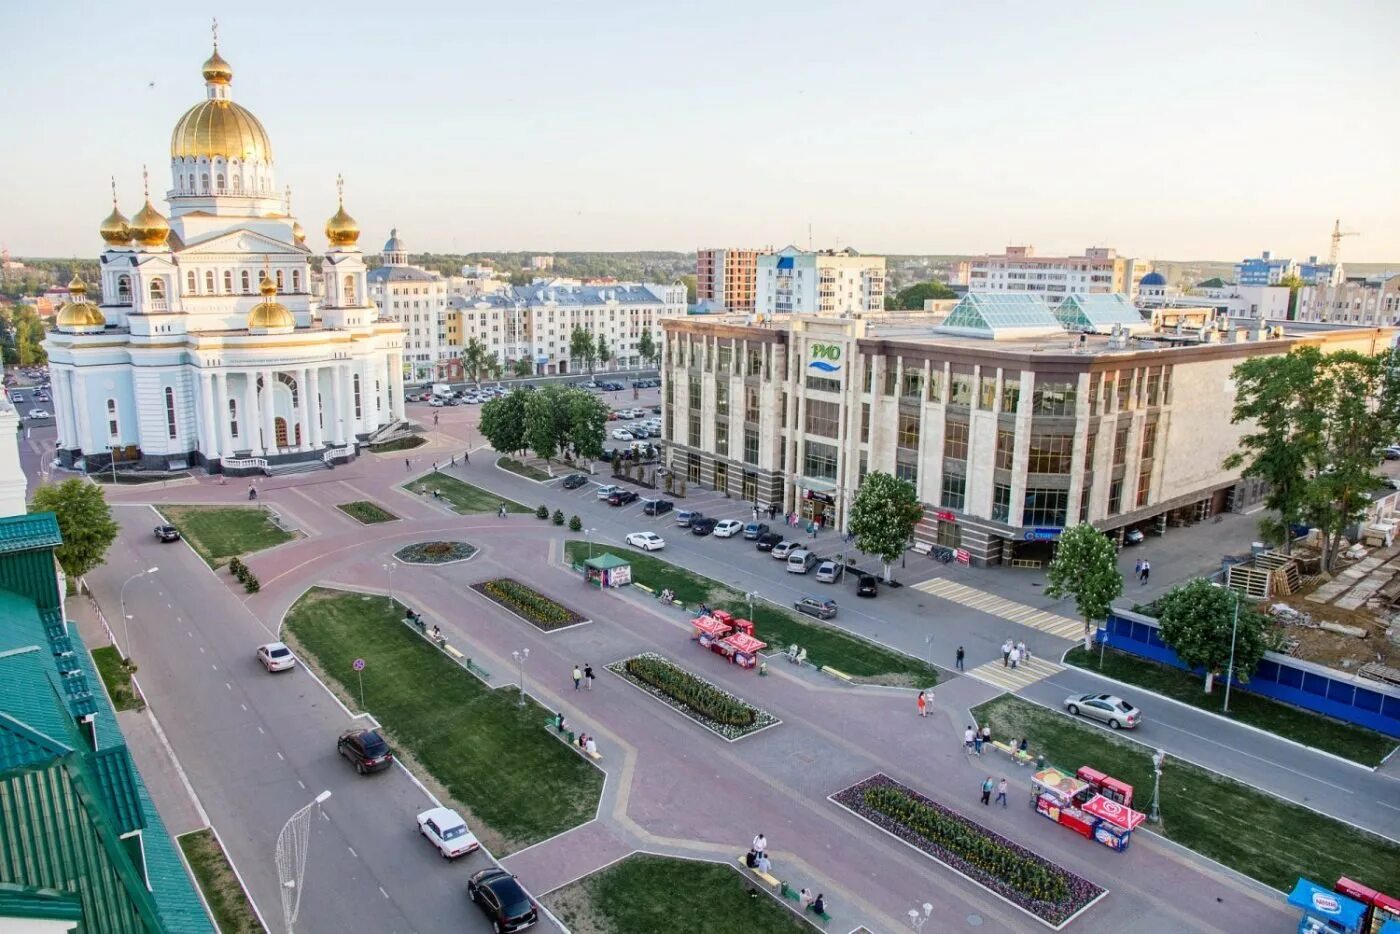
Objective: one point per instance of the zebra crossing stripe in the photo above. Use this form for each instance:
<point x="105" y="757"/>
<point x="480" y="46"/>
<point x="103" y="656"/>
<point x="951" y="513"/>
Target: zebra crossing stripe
<point x="1043" y="620"/>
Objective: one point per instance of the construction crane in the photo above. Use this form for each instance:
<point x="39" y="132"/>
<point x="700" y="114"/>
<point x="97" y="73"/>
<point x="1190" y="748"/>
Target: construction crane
<point x="1337" y="234"/>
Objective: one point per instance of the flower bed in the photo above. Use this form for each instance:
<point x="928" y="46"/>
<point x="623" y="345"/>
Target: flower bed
<point x="1045" y="890"/>
<point x="528" y="603"/>
<point x="707" y="704"/>
<point x="366" y="512"/>
<point x="435" y="552"/>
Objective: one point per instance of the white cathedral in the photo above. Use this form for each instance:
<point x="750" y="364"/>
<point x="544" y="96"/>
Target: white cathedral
<point x="208" y="347"/>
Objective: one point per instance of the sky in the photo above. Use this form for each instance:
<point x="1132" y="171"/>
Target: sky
<point x="1188" y="130"/>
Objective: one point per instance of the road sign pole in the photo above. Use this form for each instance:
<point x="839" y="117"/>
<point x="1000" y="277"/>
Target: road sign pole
<point x="359" y="666"/>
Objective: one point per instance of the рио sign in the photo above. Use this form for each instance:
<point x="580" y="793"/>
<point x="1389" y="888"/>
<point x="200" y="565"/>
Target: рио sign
<point x="825" y="358"/>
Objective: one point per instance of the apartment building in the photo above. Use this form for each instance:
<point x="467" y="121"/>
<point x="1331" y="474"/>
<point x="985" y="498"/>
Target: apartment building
<point x="826" y="282"/>
<point x="1372" y="301"/>
<point x="535" y="322"/>
<point x="1010" y="425"/>
<point x="1226" y="299"/>
<point x="1264" y="269"/>
<point x="416" y="298"/>
<point x="1019" y="269"/>
<point x="727" y="278"/>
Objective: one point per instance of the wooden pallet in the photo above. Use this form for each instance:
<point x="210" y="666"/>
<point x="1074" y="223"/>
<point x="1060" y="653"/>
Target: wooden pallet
<point x="1253" y="583"/>
<point x="1378" y="672"/>
<point x="1287" y="579"/>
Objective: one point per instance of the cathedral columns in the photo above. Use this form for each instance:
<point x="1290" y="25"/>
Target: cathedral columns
<point x="313" y="418"/>
<point x="305" y="413"/>
<point x="396" y="384"/>
<point x="84" y="413"/>
<point x="251" y="427"/>
<point x="269" y="414"/>
<point x="221" y="414"/>
<point x="337" y="420"/>
<point x="208" y="428"/>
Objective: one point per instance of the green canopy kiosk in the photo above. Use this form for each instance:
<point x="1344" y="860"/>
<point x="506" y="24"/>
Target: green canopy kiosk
<point x="607" y="570"/>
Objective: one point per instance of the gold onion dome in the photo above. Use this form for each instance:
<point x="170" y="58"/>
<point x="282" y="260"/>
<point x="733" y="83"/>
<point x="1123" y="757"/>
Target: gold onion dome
<point x="298" y="232"/>
<point x="342" y="229"/>
<point x="114" y="229"/>
<point x="80" y="313"/>
<point x="269" y="313"/>
<point x="219" y="128"/>
<point x="216" y="70"/>
<point x="149" y="227"/>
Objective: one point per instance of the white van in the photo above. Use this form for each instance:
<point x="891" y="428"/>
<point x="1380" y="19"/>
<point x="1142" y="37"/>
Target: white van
<point x="800" y="561"/>
<point x="442" y="390"/>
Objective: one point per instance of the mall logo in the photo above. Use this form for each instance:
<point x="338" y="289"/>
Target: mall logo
<point x="826" y="358"/>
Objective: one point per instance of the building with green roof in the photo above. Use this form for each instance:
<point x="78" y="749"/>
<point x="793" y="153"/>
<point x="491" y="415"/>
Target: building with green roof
<point x="81" y="845"/>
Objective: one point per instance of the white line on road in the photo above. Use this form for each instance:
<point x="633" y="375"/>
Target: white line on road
<point x="302" y="784"/>
<point x="384" y="893"/>
<point x="261" y="730"/>
<point x="228" y="686"/>
<point x="352" y="852"/>
<point x="201" y="650"/>
<point x="245" y="707"/>
<point x="213" y="666"/>
<point x="281" y="757"/>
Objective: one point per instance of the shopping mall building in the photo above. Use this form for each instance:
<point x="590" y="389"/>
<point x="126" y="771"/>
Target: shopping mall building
<point x="1012" y="420"/>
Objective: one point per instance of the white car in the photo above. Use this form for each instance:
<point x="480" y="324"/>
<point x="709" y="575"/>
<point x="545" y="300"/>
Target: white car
<point x="783" y="549"/>
<point x="446" y="830"/>
<point x="622" y="434"/>
<point x="647" y="541"/>
<point x="608" y="490"/>
<point x="435" y="402"/>
<point x="275" y="656"/>
<point x="38" y="413"/>
<point x="728" y="528"/>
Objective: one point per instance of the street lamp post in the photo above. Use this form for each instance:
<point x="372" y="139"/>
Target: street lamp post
<point x="126" y="620"/>
<point x="520" y="656"/>
<point x="588" y="534"/>
<point x="752" y="595"/>
<point x="1158" y="760"/>
<point x="113" y="451"/>
<point x="290" y="855"/>
<point x="1234" y="630"/>
<point x="917" y="920"/>
<point x="390" y="568"/>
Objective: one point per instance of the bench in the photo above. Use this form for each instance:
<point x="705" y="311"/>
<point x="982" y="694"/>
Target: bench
<point x="770" y="881"/>
<point x="595" y="756"/>
<point x="793" y="894"/>
<point x="1021" y="757"/>
<point x="450" y="650"/>
<point x="836" y="674"/>
<point x="922" y="548"/>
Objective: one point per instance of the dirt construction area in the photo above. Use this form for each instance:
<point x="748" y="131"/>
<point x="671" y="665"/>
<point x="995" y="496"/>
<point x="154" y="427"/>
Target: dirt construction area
<point x="1357" y="598"/>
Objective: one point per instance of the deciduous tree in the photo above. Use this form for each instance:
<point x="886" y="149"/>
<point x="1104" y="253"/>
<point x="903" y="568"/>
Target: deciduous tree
<point x="1196" y="620"/>
<point x="84" y="521"/>
<point x="587" y="422"/>
<point x="883" y="516"/>
<point x="475" y="359"/>
<point x="546" y="421"/>
<point x="1085" y="567"/>
<point x="602" y="351"/>
<point x="581" y="348"/>
<point x="503" y="422"/>
<point x="913" y="297"/>
<point x="647" y="348"/>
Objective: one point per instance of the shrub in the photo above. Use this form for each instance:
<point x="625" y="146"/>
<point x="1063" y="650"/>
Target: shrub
<point x="575" y="524"/>
<point x="236" y="567"/>
<point x="698" y="695"/>
<point x="529" y="603"/>
<point x="437" y="548"/>
<point x="558" y="517"/>
<point x="250" y="583"/>
<point x="542" y="512"/>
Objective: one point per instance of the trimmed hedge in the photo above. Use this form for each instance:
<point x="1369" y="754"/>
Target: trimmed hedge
<point x="685" y="688"/>
<point x="529" y="603"/>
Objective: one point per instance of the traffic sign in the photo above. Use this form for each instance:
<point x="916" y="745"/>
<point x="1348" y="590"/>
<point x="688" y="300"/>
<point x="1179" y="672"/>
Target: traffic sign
<point x="359" y="664"/>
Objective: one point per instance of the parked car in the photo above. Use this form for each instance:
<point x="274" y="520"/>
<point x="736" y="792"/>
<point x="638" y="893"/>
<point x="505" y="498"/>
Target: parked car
<point x="685" y="516"/>
<point x="728" y="528"/>
<point x="657" y="507"/>
<point x="38" y="413"/>
<point x="435" y="402"/>
<point x="827" y="572"/>
<point x="501" y="898"/>
<point x="607" y="490"/>
<point x="275" y="656"/>
<point x="816" y="606"/>
<point x="1133" y="537"/>
<point x="622" y="434"/>
<point x="753" y="530"/>
<point x="867" y="586"/>
<point x="800" y="561"/>
<point x="784" y="548"/>
<point x="647" y="541"/>
<point x="167" y="533"/>
<point x="366" y="749"/>
<point x="1114" y="711"/>
<point x="702" y="525"/>
<point x="573" y="481"/>
<point x="446" y="830"/>
<point x="621" y="497"/>
<point x="1392" y="453"/>
<point x="656" y="409"/>
<point x="767" y="541"/>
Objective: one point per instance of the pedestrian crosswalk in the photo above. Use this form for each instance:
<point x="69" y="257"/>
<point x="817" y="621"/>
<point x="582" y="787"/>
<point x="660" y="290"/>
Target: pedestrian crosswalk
<point x="1014" y="679"/>
<point x="1044" y="620"/>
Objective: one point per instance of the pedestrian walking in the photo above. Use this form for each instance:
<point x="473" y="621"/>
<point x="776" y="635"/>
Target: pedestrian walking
<point x="1146" y="571"/>
<point x="755" y="512"/>
<point x="578" y="676"/>
<point x="923" y="705"/>
<point x="1014" y="656"/>
<point x="977" y="742"/>
<point x="760" y="844"/>
<point x="1137" y="570"/>
<point x="434" y="466"/>
<point x="454" y="460"/>
<point x="1001" y="791"/>
<point x="1025" y="652"/>
<point x="986" y="734"/>
<point x="408" y="467"/>
<point x="1006" y="648"/>
<point x="959" y="660"/>
<point x="987" y="787"/>
<point x="435" y="419"/>
<point x="588" y="675"/>
<point x="501" y="513"/>
<point x="772" y="511"/>
<point x="968" y="734"/>
<point x="466" y="457"/>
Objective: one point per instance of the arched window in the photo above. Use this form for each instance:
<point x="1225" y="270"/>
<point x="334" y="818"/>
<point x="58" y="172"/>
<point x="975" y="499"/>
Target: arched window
<point x="233" y="417"/>
<point x="157" y="288"/>
<point x="190" y="187"/>
<point x="170" y="411"/>
<point x="243" y="277"/>
<point x="112" y="431"/>
<point x="209" y="281"/>
<point x="228" y="281"/>
<point x="219" y="183"/>
<point x="123" y="289"/>
<point x="237" y="184"/>
<point x="296" y="280"/>
<point x="204" y="182"/>
<point x="356" y="381"/>
<point x="189" y="283"/>
<point x="278" y="273"/>
<point x="349" y="296"/>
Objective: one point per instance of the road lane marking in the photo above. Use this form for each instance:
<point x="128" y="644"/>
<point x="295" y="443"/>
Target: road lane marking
<point x="1015" y="679"/>
<point x="245" y="707"/>
<point x="1044" y="620"/>
<point x="352" y="852"/>
<point x="382" y="892"/>
<point x="201" y="650"/>
<point x="302" y="784"/>
<point x="228" y="686"/>
<point x="213" y="666"/>
<point x="261" y="730"/>
<point x="282" y="757"/>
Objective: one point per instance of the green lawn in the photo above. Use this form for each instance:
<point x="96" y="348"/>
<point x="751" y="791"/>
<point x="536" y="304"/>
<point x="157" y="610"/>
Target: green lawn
<point x="519" y="783"/>
<point x="1244" y="828"/>
<point x="463" y="497"/>
<point x="679" y="896"/>
<point x="218" y="533"/>
<point x="1343" y="739"/>
<point x="118" y="680"/>
<point x="527" y="471"/>
<point x="778" y="627"/>
<point x="366" y="512"/>
<point x="222" y="890"/>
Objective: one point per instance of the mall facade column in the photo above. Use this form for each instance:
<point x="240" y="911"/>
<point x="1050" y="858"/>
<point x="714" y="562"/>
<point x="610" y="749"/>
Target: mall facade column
<point x="208" y="428"/>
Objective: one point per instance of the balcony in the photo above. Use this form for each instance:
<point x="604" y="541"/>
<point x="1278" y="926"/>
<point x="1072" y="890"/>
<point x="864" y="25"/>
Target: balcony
<point x="156" y="304"/>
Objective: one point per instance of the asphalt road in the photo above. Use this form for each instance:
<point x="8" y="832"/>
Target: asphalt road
<point x="257" y="747"/>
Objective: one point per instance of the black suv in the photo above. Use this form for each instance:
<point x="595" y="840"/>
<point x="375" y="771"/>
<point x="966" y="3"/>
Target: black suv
<point x="573" y="481"/>
<point x="658" y="507"/>
<point x="366" y="749"/>
<point x="866" y="586"/>
<point x="703" y="525"/>
<point x="502" y="899"/>
<point x="167" y="533"/>
<point x="767" y="540"/>
<point x="622" y="498"/>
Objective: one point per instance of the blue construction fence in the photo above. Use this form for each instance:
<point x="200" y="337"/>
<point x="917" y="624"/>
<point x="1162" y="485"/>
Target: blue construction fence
<point x="1310" y="686"/>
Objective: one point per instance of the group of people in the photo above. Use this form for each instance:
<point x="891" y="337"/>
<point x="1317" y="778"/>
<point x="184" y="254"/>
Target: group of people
<point x="586" y="743"/>
<point x="1000" y="786"/>
<point x="925" y="702"/>
<point x="1012" y="654"/>
<point x="757" y="857"/>
<point x="1143" y="570"/>
<point x="973" y="739"/>
<point x="668" y="596"/>
<point x="582" y="676"/>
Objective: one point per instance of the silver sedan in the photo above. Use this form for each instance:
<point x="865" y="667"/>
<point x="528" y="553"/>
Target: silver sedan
<point x="1114" y="711"/>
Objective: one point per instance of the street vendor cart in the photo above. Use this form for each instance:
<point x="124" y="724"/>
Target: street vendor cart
<point x="722" y="633"/>
<point x="1090" y="803"/>
<point x="1326" y="912"/>
<point x="743" y="649"/>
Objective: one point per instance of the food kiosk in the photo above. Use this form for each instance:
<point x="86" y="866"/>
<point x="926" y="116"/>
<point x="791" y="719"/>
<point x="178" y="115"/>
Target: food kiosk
<point x="1381" y="909"/>
<point x="743" y="649"/>
<point x="1089" y="802"/>
<point x="733" y="638"/>
<point x="1324" y="911"/>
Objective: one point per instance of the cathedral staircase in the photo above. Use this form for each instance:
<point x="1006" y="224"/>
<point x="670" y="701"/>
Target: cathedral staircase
<point x="296" y="467"/>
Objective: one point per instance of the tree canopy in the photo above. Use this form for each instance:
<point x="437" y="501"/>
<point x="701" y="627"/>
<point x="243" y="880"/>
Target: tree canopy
<point x="602" y="351"/>
<point x="883" y="517"/>
<point x="913" y="297"/>
<point x="503" y="421"/>
<point x="475" y="359"/>
<point x="646" y="347"/>
<point x="1085" y="567"/>
<point x="581" y="348"/>
<point x="84" y="520"/>
<point x="1196" y="619"/>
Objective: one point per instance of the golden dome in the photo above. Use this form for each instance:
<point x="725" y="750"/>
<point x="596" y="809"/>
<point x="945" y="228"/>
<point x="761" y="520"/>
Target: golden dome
<point x="114" y="229"/>
<point x="220" y="128"/>
<point x="148" y="227"/>
<point x="268" y="313"/>
<point x="216" y="70"/>
<point x="298" y="232"/>
<point x="342" y="229"/>
<point x="80" y="313"/>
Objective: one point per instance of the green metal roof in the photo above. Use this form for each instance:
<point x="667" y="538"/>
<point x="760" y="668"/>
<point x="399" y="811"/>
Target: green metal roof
<point x="1001" y="314"/>
<point x="606" y="562"/>
<point x="24" y="901"/>
<point x="117" y="778"/>
<point x="21" y="744"/>
<point x="33" y="697"/>
<point x="28" y="532"/>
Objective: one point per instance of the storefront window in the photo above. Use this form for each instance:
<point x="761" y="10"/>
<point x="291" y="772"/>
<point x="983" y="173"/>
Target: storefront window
<point x="819" y="462"/>
<point x="904" y="470"/>
<point x="1001" y="503"/>
<point x="954" y="494"/>
<point x="1053" y="398"/>
<point x="1045" y="508"/>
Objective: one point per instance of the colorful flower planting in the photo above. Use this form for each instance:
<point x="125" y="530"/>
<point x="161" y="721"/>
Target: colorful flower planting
<point x="529" y="604"/>
<point x="708" y="705"/>
<point x="1027" y="879"/>
<point x="435" y="552"/>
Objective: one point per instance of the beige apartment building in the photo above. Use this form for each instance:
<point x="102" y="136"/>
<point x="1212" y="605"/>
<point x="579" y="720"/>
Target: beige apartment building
<point x="1370" y="301"/>
<point x="1019" y="269"/>
<point x="727" y="278"/>
<point x="1011" y="425"/>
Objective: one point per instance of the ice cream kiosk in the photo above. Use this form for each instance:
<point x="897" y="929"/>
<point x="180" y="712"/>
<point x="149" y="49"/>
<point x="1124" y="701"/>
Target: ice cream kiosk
<point x="1089" y="802"/>
<point x="1325" y="911"/>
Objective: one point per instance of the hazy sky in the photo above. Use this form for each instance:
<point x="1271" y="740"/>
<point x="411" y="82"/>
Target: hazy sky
<point x="1174" y="130"/>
